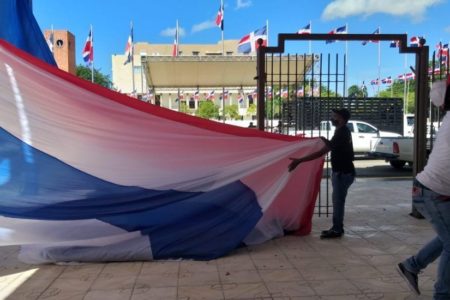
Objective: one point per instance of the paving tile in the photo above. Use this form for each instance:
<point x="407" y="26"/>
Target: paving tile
<point x="245" y="291"/>
<point x="157" y="293"/>
<point x="115" y="281"/>
<point x="290" y="289"/>
<point x="208" y="292"/>
<point x="156" y="280"/>
<point x="334" y="287"/>
<point x="242" y="276"/>
<point x="187" y="278"/>
<point x="111" y="294"/>
<point x="280" y="275"/>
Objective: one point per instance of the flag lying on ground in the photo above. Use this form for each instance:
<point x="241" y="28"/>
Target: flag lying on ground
<point x="88" y="174"/>
<point x="88" y="49"/>
<point x="129" y="48"/>
<point x="249" y="42"/>
<point x="339" y="30"/>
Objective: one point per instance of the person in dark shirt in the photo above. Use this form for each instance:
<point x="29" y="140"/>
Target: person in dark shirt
<point x="343" y="175"/>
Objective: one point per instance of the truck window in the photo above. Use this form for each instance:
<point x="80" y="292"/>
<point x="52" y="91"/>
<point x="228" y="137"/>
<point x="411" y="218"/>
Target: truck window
<point x="350" y="127"/>
<point x="364" y="128"/>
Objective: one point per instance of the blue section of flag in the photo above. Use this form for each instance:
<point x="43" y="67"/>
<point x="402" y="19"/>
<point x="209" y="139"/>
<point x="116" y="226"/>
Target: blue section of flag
<point x="248" y="43"/>
<point x="19" y="27"/>
<point x="200" y="225"/>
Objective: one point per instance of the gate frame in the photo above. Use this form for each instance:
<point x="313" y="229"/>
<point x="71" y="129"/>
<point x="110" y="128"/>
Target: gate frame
<point x="421" y="86"/>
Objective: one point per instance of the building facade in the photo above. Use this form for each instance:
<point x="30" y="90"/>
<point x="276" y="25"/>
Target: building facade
<point x="63" y="48"/>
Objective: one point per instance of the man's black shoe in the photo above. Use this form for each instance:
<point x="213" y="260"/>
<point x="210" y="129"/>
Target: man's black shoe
<point x="326" y="231"/>
<point x="330" y="234"/>
<point x="410" y="278"/>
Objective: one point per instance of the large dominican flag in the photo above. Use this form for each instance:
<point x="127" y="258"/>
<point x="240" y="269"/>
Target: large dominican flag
<point x="249" y="42"/>
<point x="220" y="17"/>
<point x="88" y="174"/>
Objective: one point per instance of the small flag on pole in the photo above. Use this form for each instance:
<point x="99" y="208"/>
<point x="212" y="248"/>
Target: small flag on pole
<point x="249" y="42"/>
<point x="394" y="44"/>
<point x="129" y="51"/>
<point x="88" y="50"/>
<point x="372" y="41"/>
<point x="339" y="30"/>
<point x="175" y="43"/>
<point x="51" y="40"/>
<point x="219" y="17"/>
<point x="415" y="41"/>
<point x="305" y="30"/>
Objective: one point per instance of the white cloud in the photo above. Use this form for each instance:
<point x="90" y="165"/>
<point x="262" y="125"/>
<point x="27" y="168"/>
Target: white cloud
<point x="171" y="32"/>
<point x="346" y="8"/>
<point x="203" y="26"/>
<point x="447" y="29"/>
<point x="243" y="3"/>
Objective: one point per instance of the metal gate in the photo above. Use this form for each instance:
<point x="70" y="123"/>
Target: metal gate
<point x="297" y="92"/>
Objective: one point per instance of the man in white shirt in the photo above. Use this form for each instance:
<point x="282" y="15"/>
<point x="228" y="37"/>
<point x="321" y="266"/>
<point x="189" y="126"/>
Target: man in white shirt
<point x="431" y="197"/>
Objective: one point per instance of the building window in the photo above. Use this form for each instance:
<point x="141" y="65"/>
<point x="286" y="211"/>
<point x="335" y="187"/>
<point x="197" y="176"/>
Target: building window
<point x="196" y="53"/>
<point x="229" y="52"/>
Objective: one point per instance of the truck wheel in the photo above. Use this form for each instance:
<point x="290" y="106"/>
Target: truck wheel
<point x="397" y="164"/>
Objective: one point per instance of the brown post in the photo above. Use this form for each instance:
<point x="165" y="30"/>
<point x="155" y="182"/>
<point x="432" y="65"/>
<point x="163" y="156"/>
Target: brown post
<point x="260" y="84"/>
<point x="420" y="125"/>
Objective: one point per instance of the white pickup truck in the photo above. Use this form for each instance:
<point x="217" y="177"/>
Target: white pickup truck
<point x="399" y="150"/>
<point x="363" y="134"/>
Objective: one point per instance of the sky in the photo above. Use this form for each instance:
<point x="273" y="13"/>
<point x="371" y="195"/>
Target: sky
<point x="155" y="21"/>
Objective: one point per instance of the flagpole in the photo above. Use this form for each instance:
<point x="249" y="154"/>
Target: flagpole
<point x="346" y="62"/>
<point x="92" y="49"/>
<point x="132" y="58"/>
<point x="223" y="26"/>
<point x="310" y="29"/>
<point x="405" y="90"/>
<point x="379" y="61"/>
<point x="267" y="32"/>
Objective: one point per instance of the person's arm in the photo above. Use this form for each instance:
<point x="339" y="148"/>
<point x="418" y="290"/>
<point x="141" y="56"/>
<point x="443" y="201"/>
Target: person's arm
<point x="319" y="153"/>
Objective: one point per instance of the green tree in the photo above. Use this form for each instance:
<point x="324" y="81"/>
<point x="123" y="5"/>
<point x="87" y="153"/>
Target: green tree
<point x="99" y="78"/>
<point x="251" y="110"/>
<point x="356" y="91"/>
<point x="183" y="107"/>
<point x="232" y="111"/>
<point x="207" y="110"/>
<point x="397" y="90"/>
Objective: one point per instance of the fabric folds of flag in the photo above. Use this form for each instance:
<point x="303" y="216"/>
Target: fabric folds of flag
<point x="305" y="30"/>
<point x="88" y="49"/>
<point x="339" y="30"/>
<point x="129" y="48"/>
<point x="249" y="43"/>
<point x="220" y="17"/>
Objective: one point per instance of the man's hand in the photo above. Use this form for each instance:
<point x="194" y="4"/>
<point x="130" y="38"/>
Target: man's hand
<point x="294" y="163"/>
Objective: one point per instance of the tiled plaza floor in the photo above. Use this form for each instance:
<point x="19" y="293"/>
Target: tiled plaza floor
<point x="361" y="265"/>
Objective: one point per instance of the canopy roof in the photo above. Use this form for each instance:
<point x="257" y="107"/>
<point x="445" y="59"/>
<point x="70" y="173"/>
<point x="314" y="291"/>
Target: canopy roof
<point x="213" y="71"/>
